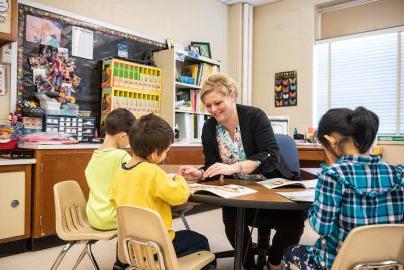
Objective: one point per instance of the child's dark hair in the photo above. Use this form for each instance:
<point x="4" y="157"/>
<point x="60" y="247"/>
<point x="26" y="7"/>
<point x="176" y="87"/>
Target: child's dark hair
<point x="119" y="120"/>
<point x="359" y="124"/>
<point x="150" y="133"/>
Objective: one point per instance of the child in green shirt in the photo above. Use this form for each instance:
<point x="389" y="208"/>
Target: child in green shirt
<point x="102" y="166"/>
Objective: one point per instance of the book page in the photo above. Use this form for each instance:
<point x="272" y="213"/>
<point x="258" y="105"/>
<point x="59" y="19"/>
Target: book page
<point x="227" y="191"/>
<point x="300" y="196"/>
<point x="281" y="182"/>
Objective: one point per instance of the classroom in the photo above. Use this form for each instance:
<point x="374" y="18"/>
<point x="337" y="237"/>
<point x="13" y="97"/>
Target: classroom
<point x="202" y="134"/>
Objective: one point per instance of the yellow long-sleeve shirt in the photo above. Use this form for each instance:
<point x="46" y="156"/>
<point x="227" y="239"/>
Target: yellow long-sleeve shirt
<point x="147" y="185"/>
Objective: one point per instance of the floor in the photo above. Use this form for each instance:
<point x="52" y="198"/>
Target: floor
<point x="105" y="250"/>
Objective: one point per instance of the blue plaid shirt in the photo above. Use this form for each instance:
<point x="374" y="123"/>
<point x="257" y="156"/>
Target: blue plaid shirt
<point x="355" y="191"/>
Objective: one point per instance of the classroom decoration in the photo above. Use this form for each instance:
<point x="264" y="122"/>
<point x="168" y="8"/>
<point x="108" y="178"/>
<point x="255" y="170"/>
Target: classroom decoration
<point x="3" y="89"/>
<point x="131" y="86"/>
<point x="53" y="71"/>
<point x="43" y="31"/>
<point x="286" y="89"/>
<point x="203" y="48"/>
<point x="45" y="63"/>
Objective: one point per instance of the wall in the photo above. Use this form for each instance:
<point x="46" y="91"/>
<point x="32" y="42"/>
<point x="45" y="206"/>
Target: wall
<point x="181" y="20"/>
<point x="235" y="42"/>
<point x="283" y="40"/>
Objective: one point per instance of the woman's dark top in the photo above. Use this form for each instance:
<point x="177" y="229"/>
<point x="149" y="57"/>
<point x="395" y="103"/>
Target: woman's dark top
<point x="258" y="141"/>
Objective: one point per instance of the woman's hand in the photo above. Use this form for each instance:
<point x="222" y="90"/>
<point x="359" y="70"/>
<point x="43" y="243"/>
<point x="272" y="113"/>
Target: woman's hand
<point x="221" y="168"/>
<point x="190" y="173"/>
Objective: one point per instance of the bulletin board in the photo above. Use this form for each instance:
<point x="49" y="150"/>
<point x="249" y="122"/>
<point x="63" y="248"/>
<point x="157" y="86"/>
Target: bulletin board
<point x="105" y="44"/>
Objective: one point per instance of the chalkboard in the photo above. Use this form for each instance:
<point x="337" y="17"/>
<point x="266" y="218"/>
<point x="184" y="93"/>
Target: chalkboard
<point x="88" y="92"/>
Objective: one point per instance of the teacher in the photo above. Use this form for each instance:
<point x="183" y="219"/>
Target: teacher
<point x="238" y="141"/>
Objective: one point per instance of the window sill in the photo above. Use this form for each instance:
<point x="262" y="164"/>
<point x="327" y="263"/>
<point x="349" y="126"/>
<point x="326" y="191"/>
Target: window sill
<point x="390" y="143"/>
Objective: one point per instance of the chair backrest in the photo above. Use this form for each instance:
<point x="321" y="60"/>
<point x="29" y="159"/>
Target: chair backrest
<point x="371" y="244"/>
<point x="70" y="205"/>
<point x="288" y="151"/>
<point x="144" y="225"/>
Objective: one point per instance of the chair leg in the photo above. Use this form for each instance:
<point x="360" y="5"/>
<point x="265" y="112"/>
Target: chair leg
<point x="82" y="254"/>
<point x="185" y="221"/>
<point x="61" y="255"/>
<point x="91" y="255"/>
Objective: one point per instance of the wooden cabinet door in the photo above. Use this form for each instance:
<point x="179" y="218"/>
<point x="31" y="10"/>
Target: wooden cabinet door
<point x="54" y="166"/>
<point x="15" y="202"/>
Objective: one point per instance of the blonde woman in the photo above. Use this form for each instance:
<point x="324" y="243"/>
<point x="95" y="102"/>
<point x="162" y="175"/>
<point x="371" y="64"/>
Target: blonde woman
<point x="238" y="141"/>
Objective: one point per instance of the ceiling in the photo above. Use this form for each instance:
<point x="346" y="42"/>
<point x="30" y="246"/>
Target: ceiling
<point x="252" y="2"/>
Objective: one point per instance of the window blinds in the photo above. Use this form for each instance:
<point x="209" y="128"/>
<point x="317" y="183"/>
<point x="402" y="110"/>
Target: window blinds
<point x="361" y="71"/>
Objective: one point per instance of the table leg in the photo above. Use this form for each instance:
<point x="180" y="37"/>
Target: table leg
<point x="238" y="255"/>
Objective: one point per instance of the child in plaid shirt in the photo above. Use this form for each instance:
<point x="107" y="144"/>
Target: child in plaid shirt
<point x="355" y="190"/>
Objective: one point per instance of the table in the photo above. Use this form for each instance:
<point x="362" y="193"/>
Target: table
<point x="263" y="199"/>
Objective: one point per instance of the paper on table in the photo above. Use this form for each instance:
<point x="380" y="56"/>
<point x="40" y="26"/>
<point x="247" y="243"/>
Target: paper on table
<point x="300" y="196"/>
<point x="226" y="191"/>
<point x="281" y="182"/>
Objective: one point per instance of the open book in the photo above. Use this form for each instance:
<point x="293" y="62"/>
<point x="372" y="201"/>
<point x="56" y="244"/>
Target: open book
<point x="227" y="191"/>
<point x="281" y="182"/>
<point x="299" y="196"/>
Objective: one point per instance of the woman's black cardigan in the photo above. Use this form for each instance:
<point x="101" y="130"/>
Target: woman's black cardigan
<point x="258" y="141"/>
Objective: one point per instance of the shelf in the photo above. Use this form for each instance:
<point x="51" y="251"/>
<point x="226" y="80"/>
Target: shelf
<point x="135" y="90"/>
<point x="200" y="59"/>
<point x="181" y="85"/>
<point x="186" y="111"/>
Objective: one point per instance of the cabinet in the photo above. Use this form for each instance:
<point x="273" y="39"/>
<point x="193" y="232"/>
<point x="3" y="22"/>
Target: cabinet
<point x="181" y="105"/>
<point x="15" y="202"/>
<point x="53" y="166"/>
<point x="8" y="22"/>
<point x="185" y="155"/>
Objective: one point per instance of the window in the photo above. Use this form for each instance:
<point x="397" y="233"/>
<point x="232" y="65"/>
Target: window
<point x="362" y="71"/>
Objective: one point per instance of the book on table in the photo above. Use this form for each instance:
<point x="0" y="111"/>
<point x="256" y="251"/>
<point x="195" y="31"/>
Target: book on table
<point x="226" y="191"/>
<point x="299" y="196"/>
<point x="281" y="182"/>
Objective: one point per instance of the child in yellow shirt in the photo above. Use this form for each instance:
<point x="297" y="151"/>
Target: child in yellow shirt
<point x="102" y="166"/>
<point x="141" y="182"/>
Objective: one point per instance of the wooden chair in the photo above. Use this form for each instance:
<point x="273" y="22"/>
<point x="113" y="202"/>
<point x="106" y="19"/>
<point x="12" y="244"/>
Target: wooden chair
<point x="143" y="243"/>
<point x="72" y="224"/>
<point x="372" y="247"/>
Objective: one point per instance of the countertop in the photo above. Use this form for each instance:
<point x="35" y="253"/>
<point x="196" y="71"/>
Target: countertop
<point x="89" y="145"/>
<point x="59" y="146"/>
<point x="5" y="161"/>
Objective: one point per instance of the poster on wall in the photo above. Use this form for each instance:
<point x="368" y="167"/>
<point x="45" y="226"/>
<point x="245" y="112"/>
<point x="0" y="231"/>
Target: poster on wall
<point x="82" y="42"/>
<point x="3" y="90"/>
<point x="43" y="31"/>
<point x="286" y="89"/>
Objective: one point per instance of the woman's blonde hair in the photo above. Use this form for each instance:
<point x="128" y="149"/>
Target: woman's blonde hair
<point x="220" y="82"/>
